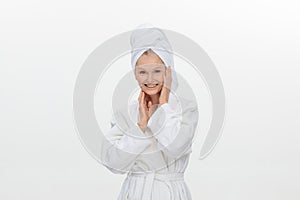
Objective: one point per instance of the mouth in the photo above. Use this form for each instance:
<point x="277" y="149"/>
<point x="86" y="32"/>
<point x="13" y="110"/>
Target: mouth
<point x="151" y="86"/>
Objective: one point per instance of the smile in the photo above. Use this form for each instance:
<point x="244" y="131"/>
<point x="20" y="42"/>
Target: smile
<point x="151" y="86"/>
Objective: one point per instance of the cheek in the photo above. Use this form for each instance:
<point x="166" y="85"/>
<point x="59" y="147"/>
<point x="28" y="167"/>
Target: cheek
<point x="139" y="80"/>
<point x="161" y="79"/>
<point x="141" y="84"/>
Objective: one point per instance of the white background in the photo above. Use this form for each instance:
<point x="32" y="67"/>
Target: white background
<point x="254" y="44"/>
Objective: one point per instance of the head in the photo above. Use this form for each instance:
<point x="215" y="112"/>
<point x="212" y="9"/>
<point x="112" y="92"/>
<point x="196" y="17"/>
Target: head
<point x="149" y="72"/>
<point x="151" y="52"/>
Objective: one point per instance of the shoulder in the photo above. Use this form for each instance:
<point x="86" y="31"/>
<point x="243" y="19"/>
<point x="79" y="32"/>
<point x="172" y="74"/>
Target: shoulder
<point x="183" y="103"/>
<point x="188" y="103"/>
<point x="124" y="115"/>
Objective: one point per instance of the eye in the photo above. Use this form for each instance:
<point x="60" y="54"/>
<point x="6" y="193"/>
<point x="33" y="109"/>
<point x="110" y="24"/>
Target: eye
<point x="157" y="71"/>
<point x="142" y="72"/>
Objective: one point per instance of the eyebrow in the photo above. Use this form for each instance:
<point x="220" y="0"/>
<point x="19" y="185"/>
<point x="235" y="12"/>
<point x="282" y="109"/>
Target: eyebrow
<point x="158" y="67"/>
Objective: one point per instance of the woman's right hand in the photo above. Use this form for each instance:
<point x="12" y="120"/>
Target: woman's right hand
<point x="143" y="110"/>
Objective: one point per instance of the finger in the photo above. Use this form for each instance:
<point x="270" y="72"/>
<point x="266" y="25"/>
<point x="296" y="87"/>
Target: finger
<point x="149" y="104"/>
<point x="164" y="80"/>
<point x="143" y="106"/>
<point x="143" y="98"/>
<point x="170" y="71"/>
<point x="140" y="95"/>
<point x="169" y="77"/>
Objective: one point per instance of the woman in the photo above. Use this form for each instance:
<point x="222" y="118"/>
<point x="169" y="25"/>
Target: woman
<point x="154" y="151"/>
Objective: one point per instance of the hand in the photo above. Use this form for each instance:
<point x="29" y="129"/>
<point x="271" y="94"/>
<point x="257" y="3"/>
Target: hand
<point x="165" y="91"/>
<point x="151" y="108"/>
<point x="146" y="109"/>
<point x="143" y="120"/>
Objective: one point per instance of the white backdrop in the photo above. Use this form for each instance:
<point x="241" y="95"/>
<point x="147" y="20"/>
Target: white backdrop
<point x="255" y="46"/>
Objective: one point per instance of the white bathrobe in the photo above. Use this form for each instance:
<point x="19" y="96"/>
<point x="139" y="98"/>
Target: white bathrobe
<point x="157" y="176"/>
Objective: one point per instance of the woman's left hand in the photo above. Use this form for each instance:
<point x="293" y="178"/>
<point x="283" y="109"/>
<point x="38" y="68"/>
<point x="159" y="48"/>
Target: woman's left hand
<point x="165" y="91"/>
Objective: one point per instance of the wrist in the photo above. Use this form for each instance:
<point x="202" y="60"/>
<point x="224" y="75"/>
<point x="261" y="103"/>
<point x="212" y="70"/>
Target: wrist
<point x="142" y="125"/>
<point x="163" y="102"/>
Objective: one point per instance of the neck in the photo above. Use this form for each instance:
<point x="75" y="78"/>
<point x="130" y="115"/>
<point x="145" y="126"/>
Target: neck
<point x="155" y="98"/>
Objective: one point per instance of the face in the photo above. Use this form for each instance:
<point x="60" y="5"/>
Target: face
<point x="149" y="73"/>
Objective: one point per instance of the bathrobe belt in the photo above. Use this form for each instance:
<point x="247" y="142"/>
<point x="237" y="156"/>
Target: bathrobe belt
<point x="151" y="176"/>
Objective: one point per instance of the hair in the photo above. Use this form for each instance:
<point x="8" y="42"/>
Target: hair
<point x="150" y="52"/>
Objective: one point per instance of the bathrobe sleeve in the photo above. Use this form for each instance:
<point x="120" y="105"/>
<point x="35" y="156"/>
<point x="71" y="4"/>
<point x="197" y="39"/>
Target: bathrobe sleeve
<point x="174" y="130"/>
<point x="119" y="151"/>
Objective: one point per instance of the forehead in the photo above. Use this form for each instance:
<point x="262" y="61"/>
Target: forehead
<point x="150" y="58"/>
<point x="150" y="66"/>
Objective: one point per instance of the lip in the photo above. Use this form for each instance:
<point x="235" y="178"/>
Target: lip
<point x="151" y="87"/>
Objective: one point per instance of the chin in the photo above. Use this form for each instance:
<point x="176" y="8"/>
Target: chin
<point x="149" y="92"/>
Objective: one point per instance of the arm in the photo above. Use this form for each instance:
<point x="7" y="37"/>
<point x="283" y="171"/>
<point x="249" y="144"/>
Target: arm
<point x="173" y="130"/>
<point x="119" y="151"/>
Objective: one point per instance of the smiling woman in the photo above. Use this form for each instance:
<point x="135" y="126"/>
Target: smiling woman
<point x="168" y="121"/>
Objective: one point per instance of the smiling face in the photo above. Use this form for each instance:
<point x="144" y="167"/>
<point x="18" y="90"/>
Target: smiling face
<point x="149" y="72"/>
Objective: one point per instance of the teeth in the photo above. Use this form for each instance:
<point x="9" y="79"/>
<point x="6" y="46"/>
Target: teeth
<point x="151" y="86"/>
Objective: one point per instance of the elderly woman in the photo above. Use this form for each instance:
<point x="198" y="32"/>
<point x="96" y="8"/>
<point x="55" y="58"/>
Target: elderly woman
<point x="155" y="150"/>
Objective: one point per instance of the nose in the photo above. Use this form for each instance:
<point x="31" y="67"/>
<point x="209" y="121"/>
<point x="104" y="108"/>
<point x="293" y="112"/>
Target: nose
<point x="149" y="78"/>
